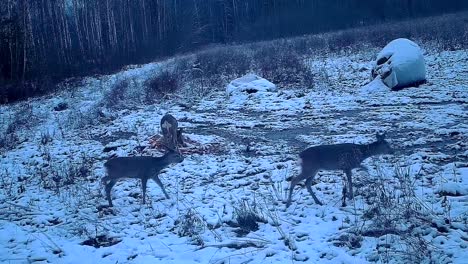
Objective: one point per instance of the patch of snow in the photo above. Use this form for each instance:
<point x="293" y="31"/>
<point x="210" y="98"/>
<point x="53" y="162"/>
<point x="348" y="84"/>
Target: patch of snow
<point x="375" y="86"/>
<point x="250" y="87"/>
<point x="250" y="83"/>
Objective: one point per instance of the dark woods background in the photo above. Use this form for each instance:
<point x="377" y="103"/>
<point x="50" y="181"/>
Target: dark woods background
<point x="43" y="41"/>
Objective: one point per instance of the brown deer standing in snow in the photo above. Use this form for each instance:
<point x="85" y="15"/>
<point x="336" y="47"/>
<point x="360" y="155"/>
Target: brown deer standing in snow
<point x="172" y="135"/>
<point x="143" y="168"/>
<point x="343" y="157"/>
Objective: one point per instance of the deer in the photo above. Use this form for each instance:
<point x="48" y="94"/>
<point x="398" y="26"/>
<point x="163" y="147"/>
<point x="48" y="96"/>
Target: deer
<point x="141" y="167"/>
<point x="172" y="135"/>
<point x="343" y="157"/>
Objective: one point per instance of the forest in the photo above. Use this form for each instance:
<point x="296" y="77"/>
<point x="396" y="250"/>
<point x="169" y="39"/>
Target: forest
<point x="45" y="41"/>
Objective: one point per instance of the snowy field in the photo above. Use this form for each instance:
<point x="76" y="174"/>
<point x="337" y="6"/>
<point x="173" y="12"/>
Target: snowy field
<point x="409" y="207"/>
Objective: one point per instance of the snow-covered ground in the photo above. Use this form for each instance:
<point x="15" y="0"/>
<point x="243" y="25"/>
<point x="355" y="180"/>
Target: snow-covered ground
<point x="47" y="219"/>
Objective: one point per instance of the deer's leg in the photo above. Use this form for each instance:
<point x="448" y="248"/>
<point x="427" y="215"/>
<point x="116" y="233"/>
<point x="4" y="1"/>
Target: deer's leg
<point x="109" y="186"/>
<point x="343" y="198"/>
<point x="144" y="182"/>
<point x="350" y="183"/>
<point x="308" y="185"/>
<point x="294" y="182"/>
<point x="304" y="175"/>
<point x="158" y="181"/>
<point x="172" y="142"/>
<point x="105" y="179"/>
<point x="180" y="138"/>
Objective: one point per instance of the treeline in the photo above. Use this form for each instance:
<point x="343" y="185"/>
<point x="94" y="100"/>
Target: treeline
<point x="42" y="41"/>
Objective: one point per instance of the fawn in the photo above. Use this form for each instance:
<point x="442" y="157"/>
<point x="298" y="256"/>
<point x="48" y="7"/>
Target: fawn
<point x="143" y="168"/>
<point x="336" y="157"/>
<point x="172" y="135"/>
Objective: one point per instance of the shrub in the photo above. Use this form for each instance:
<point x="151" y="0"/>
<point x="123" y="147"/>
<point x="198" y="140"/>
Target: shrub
<point x="46" y="137"/>
<point x="22" y="119"/>
<point x="223" y="61"/>
<point x="94" y="115"/>
<point x="161" y="85"/>
<point x="8" y="141"/>
<point x="25" y="89"/>
<point x="447" y="31"/>
<point x="342" y="40"/>
<point x="247" y="217"/>
<point x="283" y="67"/>
<point x="390" y="207"/>
<point x="114" y="97"/>
<point x="215" y="68"/>
<point x="54" y="176"/>
<point x="7" y="184"/>
<point x="308" y="44"/>
<point x="396" y="217"/>
<point x="190" y="225"/>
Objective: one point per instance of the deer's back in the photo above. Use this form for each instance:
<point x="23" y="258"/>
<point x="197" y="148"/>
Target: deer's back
<point x="133" y="167"/>
<point x="332" y="157"/>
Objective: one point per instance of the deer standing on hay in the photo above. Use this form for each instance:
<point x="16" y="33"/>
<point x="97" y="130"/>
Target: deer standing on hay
<point x="144" y="168"/>
<point x="343" y="157"/>
<point x="172" y="135"/>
